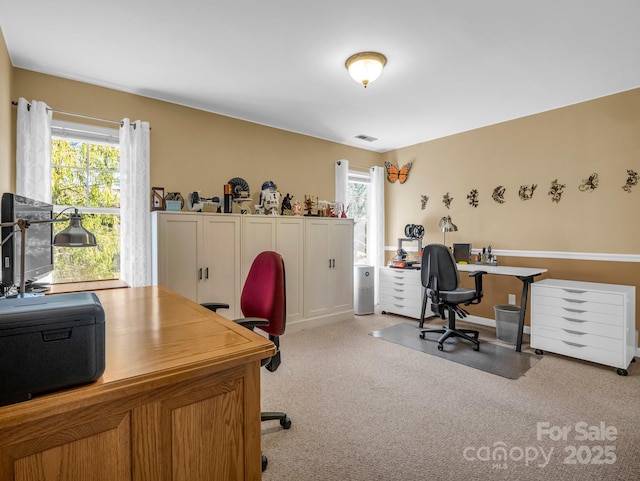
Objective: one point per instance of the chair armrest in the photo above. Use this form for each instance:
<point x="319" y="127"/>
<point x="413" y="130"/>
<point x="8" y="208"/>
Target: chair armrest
<point x="251" y="322"/>
<point x="214" y="306"/>
<point x="477" y="276"/>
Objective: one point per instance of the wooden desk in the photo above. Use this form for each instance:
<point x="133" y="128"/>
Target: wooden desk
<point x="525" y="274"/>
<point x="179" y="400"/>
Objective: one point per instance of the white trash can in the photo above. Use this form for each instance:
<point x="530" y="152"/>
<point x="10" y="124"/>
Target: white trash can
<point x="507" y="318"/>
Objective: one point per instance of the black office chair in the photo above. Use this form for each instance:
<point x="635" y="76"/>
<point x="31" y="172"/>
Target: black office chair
<point x="263" y="303"/>
<point x="441" y="281"/>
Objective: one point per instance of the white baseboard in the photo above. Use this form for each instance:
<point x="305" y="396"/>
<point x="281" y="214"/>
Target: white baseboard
<point x="302" y="324"/>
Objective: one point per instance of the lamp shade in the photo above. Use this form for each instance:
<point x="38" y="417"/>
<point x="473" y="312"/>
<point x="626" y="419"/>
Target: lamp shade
<point x="365" y="67"/>
<point x="74" y="235"/>
<point x="447" y="226"/>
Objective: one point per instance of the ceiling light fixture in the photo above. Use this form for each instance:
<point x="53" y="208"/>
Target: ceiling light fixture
<point x="365" y="67"/>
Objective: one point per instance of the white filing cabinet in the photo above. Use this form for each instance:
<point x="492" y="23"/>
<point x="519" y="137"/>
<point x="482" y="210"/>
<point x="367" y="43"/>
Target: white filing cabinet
<point x="585" y="320"/>
<point x="401" y="292"/>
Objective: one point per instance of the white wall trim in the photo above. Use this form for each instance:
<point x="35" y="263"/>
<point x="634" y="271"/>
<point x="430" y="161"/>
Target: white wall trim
<point x="583" y="256"/>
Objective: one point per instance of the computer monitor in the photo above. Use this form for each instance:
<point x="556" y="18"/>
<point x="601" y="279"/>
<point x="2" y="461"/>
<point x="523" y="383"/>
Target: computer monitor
<point x="462" y="252"/>
<point x="39" y="240"/>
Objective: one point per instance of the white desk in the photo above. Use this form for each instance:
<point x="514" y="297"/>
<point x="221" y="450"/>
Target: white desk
<point x="525" y="274"/>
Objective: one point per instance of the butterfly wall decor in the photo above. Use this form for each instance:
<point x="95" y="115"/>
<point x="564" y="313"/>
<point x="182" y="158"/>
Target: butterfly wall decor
<point x="396" y="174"/>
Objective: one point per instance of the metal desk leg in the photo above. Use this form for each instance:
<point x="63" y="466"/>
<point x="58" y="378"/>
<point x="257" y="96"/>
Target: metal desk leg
<point x="526" y="281"/>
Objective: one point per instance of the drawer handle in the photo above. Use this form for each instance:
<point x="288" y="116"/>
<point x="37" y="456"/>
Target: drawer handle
<point x="574" y="291"/>
<point x="578" y="311"/>
<point x="573" y="320"/>
<point x="574" y="344"/>
<point x="575" y="301"/>
<point x="574" y="332"/>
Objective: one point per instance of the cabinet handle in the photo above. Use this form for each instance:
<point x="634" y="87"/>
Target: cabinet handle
<point x="334" y="263"/>
<point x="577" y="311"/>
<point x="329" y="263"/>
<point x="574" y="291"/>
<point x="574" y="332"/>
<point x="206" y="273"/>
<point x="573" y="320"/>
<point x="574" y="344"/>
<point x="200" y="273"/>
<point x="575" y="301"/>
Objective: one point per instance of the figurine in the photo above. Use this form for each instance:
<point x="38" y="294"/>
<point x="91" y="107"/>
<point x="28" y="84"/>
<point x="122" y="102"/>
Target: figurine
<point x="270" y="197"/>
<point x="286" y="204"/>
<point x="297" y="208"/>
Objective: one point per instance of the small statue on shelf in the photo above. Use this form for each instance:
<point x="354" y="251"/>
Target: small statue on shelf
<point x="297" y="208"/>
<point x="309" y="204"/>
<point x="286" y="204"/>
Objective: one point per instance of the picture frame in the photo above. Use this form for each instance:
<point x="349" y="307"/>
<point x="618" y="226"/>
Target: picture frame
<point x="157" y="198"/>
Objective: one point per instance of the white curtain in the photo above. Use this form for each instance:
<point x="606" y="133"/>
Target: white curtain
<point x="135" y="203"/>
<point x="375" y="236"/>
<point x="342" y="182"/>
<point x="33" y="150"/>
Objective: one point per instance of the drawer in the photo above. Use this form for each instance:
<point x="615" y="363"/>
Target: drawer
<point x="409" y="311"/>
<point x="406" y="275"/>
<point x="581" y="295"/>
<point x="577" y="305"/>
<point x="575" y="313"/>
<point x="576" y="338"/>
<point x="395" y="288"/>
<point x="588" y="353"/>
<point x="400" y="300"/>
<point x="573" y="324"/>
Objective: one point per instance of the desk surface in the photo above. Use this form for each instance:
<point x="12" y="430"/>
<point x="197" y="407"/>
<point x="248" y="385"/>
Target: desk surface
<point x="502" y="270"/>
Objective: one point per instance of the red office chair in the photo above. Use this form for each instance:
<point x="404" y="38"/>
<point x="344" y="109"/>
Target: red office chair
<point x="263" y="303"/>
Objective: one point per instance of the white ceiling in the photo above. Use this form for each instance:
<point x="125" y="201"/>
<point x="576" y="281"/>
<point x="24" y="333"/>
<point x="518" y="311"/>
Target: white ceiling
<point x="453" y="65"/>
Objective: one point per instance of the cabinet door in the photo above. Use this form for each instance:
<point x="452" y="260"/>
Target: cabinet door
<point x="317" y="268"/>
<point x="289" y="243"/>
<point x="178" y="241"/>
<point x="341" y="253"/>
<point x="258" y="235"/>
<point x="221" y="262"/>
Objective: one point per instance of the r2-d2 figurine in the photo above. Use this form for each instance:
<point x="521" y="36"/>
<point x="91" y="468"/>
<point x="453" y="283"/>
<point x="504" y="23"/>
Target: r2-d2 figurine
<point x="270" y="197"/>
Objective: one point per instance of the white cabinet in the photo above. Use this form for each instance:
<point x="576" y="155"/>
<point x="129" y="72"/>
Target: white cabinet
<point x="206" y="257"/>
<point x="328" y="268"/>
<point x="585" y="320"/>
<point x="285" y="235"/>
<point x="198" y="255"/>
<point x="401" y="292"/>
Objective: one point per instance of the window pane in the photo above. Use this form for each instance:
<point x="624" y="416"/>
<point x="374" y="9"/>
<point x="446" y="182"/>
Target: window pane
<point x="69" y="186"/>
<point x="90" y="263"/>
<point x="358" y="193"/>
<point x="104" y="189"/>
<point x="69" y="153"/>
<point x="104" y="157"/>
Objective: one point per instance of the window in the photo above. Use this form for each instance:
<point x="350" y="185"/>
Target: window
<point x="85" y="173"/>
<point x="358" y="195"/>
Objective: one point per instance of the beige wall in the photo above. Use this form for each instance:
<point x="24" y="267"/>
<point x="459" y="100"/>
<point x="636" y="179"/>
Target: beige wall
<point x="568" y="144"/>
<point x="7" y="172"/>
<point x="195" y="150"/>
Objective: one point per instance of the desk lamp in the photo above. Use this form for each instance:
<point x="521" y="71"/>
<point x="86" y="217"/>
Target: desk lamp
<point x="447" y="226"/>
<point x="74" y="235"/>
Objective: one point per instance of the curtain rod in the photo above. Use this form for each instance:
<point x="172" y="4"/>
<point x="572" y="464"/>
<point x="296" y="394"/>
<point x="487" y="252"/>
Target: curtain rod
<point x="119" y="122"/>
<point x="355" y="165"/>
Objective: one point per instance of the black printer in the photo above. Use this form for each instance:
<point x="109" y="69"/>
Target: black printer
<point x="49" y="343"/>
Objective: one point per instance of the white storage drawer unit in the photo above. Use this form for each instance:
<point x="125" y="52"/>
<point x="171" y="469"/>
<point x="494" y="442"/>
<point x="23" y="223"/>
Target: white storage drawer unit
<point x="586" y="320"/>
<point x="400" y="291"/>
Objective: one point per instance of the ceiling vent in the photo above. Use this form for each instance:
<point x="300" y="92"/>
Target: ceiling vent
<point x="367" y="138"/>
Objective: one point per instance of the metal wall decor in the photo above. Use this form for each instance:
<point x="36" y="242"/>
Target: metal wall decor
<point x="498" y="194"/>
<point x="396" y="174"/>
<point x="446" y="200"/>
<point x="556" y="190"/>
<point x="632" y="179"/>
<point x="526" y="191"/>
<point x="472" y="197"/>
<point x="423" y="201"/>
<point x="589" y="184"/>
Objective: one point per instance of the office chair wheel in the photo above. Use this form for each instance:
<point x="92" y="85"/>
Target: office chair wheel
<point x="422" y="336"/>
<point x="286" y="422"/>
<point x="440" y="347"/>
<point x="622" y="372"/>
<point x="265" y="463"/>
<point x="476" y="347"/>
